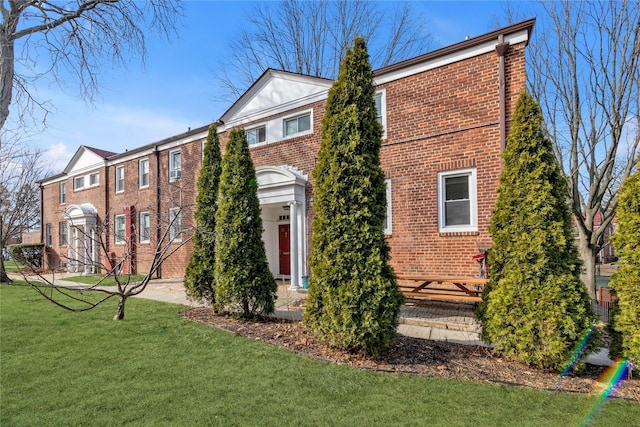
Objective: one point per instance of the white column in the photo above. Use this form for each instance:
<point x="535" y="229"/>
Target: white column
<point x="94" y="250"/>
<point x="293" y="242"/>
<point x="75" y="249"/>
<point x="69" y="248"/>
<point x="86" y="256"/>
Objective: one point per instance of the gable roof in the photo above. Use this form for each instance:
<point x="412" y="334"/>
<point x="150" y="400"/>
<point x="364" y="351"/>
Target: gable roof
<point x="86" y="158"/>
<point x="275" y="91"/>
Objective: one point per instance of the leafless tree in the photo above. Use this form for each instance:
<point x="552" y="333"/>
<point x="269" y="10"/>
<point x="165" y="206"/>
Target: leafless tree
<point x="20" y="168"/>
<point x="584" y="70"/>
<point x="170" y="237"/>
<point x="78" y="36"/>
<point x="311" y="37"/>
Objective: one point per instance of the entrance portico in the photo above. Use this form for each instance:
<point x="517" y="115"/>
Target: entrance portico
<point x="82" y="250"/>
<point x="281" y="191"/>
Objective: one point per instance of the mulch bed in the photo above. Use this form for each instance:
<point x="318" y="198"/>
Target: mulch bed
<point x="417" y="356"/>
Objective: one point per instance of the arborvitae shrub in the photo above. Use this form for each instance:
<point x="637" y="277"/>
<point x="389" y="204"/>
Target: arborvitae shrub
<point x="244" y="283"/>
<point x="535" y="308"/>
<point x="198" y="277"/>
<point x="626" y="279"/>
<point x="353" y="301"/>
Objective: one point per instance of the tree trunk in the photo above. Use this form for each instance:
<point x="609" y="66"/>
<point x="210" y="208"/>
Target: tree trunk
<point x="6" y="68"/>
<point x="588" y="255"/>
<point x="120" y="314"/>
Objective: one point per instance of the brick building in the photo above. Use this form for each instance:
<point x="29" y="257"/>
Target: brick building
<point x="445" y="116"/>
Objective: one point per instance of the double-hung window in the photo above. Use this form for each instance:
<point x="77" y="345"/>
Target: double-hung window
<point x="387" y="218"/>
<point x="175" y="165"/>
<point x="143" y="167"/>
<point x="94" y="179"/>
<point x="78" y="183"/>
<point x="145" y="227"/>
<point x="48" y="234"/>
<point x="457" y="201"/>
<point x="175" y="224"/>
<point x="257" y="135"/>
<point x="63" y="193"/>
<point x="380" y="97"/>
<point x="298" y="124"/>
<point x="119" y="232"/>
<point x="119" y="179"/>
<point x="62" y="233"/>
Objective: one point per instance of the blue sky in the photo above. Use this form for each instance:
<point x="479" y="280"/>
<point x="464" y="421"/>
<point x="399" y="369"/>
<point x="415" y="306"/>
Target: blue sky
<point x="175" y="90"/>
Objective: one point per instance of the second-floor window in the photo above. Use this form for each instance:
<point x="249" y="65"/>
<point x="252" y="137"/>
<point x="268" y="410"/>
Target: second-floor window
<point x="175" y="165"/>
<point x="144" y="173"/>
<point x="119" y="229"/>
<point x="78" y="183"/>
<point x="297" y="124"/>
<point x="63" y="193"/>
<point x="257" y="135"/>
<point x="119" y="178"/>
<point x="94" y="179"/>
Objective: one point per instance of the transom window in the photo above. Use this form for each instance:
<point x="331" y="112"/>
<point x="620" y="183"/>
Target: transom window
<point x="119" y="179"/>
<point x="297" y="125"/>
<point x="175" y="165"/>
<point x="457" y="201"/>
<point x="119" y="231"/>
<point x="257" y="135"/>
<point x="144" y="173"/>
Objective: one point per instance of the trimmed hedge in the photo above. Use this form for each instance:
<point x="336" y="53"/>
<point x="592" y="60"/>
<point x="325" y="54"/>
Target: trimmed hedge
<point x="30" y="254"/>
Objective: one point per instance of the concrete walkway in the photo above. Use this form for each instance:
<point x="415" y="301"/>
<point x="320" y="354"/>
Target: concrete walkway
<point x="420" y="319"/>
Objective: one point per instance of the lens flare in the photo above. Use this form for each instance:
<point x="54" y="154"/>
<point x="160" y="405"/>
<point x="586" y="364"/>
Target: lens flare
<point x="577" y="352"/>
<point x="606" y="386"/>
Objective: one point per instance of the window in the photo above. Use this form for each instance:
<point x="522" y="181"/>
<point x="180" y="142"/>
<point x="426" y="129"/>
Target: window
<point x="119" y="179"/>
<point x="143" y="168"/>
<point x="78" y="183"/>
<point x="63" y="193"/>
<point x="120" y="227"/>
<point x="387" y="219"/>
<point x="381" y="110"/>
<point x="175" y="224"/>
<point x="297" y="124"/>
<point x="257" y="135"/>
<point x="62" y="233"/>
<point x="145" y="227"/>
<point x="175" y="165"/>
<point x="48" y="235"/>
<point x="457" y="201"/>
<point x="94" y="179"/>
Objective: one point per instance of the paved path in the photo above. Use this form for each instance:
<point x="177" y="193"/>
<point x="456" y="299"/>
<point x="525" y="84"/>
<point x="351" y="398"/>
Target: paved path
<point x="429" y="320"/>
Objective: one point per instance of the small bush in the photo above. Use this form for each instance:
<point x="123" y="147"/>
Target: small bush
<point x="30" y="254"/>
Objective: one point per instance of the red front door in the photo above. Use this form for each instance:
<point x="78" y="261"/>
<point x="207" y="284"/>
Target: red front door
<point x="284" y="246"/>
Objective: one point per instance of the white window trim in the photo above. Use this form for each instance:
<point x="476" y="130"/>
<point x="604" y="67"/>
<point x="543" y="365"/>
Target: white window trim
<point x="266" y="134"/>
<point x="383" y="106"/>
<point x="97" y="181"/>
<point x="297" y="114"/>
<point x="116" y="239"/>
<point x="74" y="183"/>
<point x="172" y="223"/>
<point x="140" y="185"/>
<point x="121" y="190"/>
<point x="174" y="174"/>
<point x="63" y="194"/>
<point x="388" y="229"/>
<point x="140" y="226"/>
<point x="473" y="200"/>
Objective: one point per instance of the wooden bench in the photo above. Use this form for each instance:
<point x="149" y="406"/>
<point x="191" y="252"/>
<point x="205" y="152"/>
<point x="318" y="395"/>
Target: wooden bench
<point x="460" y="289"/>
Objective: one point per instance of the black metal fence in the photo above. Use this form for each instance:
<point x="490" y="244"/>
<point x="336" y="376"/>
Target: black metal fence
<point x="602" y="309"/>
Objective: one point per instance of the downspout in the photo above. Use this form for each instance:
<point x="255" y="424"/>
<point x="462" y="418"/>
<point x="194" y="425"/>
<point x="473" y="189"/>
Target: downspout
<point x="158" y="206"/>
<point x="501" y="50"/>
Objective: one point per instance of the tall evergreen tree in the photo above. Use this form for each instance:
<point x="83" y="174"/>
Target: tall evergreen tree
<point x="535" y="308"/>
<point x="243" y="281"/>
<point x="626" y="280"/>
<point x="198" y="277"/>
<point x="353" y="301"/>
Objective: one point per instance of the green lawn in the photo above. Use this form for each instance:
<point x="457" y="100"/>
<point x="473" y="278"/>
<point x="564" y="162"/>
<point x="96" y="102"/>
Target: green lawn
<point x="154" y="368"/>
<point x="12" y="266"/>
<point x="93" y="279"/>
